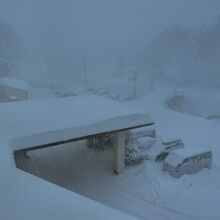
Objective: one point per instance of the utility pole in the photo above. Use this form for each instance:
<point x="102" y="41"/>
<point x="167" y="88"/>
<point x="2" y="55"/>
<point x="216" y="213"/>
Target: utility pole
<point x="120" y="66"/>
<point x="134" y="73"/>
<point x="84" y="60"/>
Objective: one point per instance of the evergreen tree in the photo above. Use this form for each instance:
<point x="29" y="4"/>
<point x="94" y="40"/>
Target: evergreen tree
<point x="9" y="49"/>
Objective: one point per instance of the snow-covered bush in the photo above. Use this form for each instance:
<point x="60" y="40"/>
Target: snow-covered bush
<point x="136" y="145"/>
<point x="102" y="142"/>
<point x="136" y="149"/>
<point x="10" y="49"/>
<point x="132" y="152"/>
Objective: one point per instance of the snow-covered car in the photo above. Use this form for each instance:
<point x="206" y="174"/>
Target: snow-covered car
<point x="113" y="95"/>
<point x="184" y="161"/>
<point x="71" y="93"/>
<point x="66" y="93"/>
<point x="12" y="98"/>
<point x="101" y="91"/>
<point x="145" y="142"/>
<point x="90" y="89"/>
<point x="124" y="98"/>
<point x="161" y="149"/>
<point x="56" y="87"/>
<point x="63" y="94"/>
<point x="56" y="92"/>
<point x="148" y="131"/>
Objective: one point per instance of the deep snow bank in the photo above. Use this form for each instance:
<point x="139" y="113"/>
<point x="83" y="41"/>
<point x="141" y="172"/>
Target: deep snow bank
<point x="202" y="106"/>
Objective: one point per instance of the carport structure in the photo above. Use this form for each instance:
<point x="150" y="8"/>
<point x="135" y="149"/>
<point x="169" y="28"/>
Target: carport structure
<point x="86" y="121"/>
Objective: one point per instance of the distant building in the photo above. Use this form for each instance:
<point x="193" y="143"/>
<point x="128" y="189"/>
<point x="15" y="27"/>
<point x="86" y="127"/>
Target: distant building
<point x="13" y="89"/>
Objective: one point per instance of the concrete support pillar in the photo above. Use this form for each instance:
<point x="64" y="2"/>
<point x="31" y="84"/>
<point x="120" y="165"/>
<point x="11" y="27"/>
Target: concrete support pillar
<point x="119" y="152"/>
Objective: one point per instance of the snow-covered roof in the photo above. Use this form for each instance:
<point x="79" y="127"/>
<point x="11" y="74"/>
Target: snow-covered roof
<point x="13" y="83"/>
<point x="24" y="196"/>
<point x="57" y="137"/>
<point x="39" y="116"/>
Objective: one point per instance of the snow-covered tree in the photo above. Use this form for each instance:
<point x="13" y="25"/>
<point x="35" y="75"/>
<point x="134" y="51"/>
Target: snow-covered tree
<point x="9" y="49"/>
<point x="133" y="152"/>
<point x="186" y="54"/>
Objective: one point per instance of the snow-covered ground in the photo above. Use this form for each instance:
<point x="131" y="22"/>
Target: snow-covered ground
<point x="23" y="196"/>
<point x="144" y="190"/>
<point x="198" y="103"/>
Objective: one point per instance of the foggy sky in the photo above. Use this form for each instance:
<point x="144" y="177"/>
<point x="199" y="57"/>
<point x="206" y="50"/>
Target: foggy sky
<point x="100" y="26"/>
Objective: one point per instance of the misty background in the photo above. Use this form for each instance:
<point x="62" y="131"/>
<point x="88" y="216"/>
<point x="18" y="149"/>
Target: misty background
<point x="172" y="41"/>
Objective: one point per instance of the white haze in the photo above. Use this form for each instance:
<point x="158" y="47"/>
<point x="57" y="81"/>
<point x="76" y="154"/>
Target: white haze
<point x="103" y="30"/>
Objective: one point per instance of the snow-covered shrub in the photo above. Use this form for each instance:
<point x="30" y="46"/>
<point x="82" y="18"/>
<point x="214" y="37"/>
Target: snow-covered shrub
<point x="136" y="144"/>
<point x="136" y="149"/>
<point x="102" y="142"/>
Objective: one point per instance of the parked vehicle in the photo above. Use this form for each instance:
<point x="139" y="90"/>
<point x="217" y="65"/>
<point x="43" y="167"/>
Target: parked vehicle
<point x="168" y="145"/>
<point x="124" y="98"/>
<point x="113" y="95"/>
<point x="101" y="91"/>
<point x="183" y="161"/>
<point x="148" y="131"/>
<point x="161" y="149"/>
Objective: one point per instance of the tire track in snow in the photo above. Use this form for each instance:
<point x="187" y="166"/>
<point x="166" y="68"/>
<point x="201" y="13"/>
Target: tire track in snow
<point x="147" y="209"/>
<point x="155" y="188"/>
